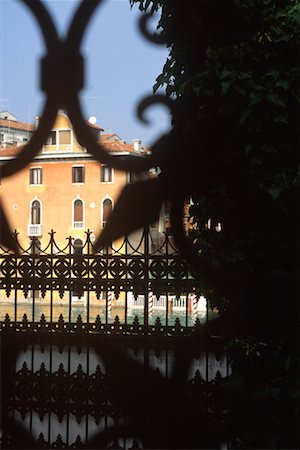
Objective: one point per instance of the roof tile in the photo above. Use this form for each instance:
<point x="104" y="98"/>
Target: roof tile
<point x="13" y="124"/>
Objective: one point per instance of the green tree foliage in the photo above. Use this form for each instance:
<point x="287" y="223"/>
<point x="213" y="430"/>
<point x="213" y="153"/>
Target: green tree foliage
<point x="233" y="66"/>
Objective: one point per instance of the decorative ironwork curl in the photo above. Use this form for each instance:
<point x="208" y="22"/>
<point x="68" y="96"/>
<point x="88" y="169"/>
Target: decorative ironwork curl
<point x="155" y="38"/>
<point x="62" y="91"/>
<point x="62" y="271"/>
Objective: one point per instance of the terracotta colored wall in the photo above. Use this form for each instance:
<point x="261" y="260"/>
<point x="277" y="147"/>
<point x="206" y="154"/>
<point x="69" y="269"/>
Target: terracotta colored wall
<point x="57" y="194"/>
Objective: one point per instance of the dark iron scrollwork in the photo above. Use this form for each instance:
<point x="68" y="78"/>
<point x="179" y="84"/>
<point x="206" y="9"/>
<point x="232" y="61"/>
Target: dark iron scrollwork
<point x="62" y="90"/>
<point x="57" y="269"/>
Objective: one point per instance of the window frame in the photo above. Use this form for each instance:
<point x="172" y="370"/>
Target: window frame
<point x="40" y="177"/>
<point x="73" y="215"/>
<point x="63" y="130"/>
<point x="102" y="210"/>
<point x="78" y="166"/>
<point x="55" y="132"/>
<point x="31" y="209"/>
<point x="52" y="133"/>
<point x="106" y="167"/>
<point x="129" y="177"/>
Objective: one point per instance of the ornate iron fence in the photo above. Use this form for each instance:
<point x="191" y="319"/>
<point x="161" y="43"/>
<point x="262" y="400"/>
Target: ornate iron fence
<point x="71" y="381"/>
<point x="105" y="382"/>
<point x="139" y="273"/>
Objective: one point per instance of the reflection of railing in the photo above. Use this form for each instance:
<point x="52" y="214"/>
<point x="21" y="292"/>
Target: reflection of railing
<point x="65" y="382"/>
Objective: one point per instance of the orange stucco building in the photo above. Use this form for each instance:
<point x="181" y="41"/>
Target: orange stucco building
<point x="64" y="188"/>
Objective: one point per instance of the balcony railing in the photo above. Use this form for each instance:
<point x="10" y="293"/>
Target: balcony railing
<point x="34" y="230"/>
<point x="78" y="225"/>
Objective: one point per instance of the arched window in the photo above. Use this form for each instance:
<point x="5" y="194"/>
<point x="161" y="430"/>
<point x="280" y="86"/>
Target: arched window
<point x="35" y="214"/>
<point x="107" y="208"/>
<point x="78" y="214"/>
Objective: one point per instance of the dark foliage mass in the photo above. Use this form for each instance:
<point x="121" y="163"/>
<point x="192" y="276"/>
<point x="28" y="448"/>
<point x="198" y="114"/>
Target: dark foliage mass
<point x="233" y="68"/>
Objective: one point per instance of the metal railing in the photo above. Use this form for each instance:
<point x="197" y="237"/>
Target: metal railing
<point x="101" y="380"/>
<point x="116" y="280"/>
<point x="82" y="319"/>
<point x="77" y="225"/>
<point x="34" y="230"/>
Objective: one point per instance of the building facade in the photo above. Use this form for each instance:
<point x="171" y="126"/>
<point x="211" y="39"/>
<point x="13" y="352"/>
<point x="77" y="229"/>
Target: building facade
<point x="64" y="189"/>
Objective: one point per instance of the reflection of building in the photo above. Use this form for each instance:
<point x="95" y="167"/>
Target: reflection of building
<point x="64" y="188"/>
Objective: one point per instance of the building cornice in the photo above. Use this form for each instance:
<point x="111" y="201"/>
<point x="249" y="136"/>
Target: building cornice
<point x="46" y="157"/>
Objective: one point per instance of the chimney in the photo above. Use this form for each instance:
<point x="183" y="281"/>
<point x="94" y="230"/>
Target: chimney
<point x="37" y="121"/>
<point x="137" y="145"/>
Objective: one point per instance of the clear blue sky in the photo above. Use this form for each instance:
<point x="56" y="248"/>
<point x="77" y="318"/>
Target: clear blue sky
<point x="121" y="66"/>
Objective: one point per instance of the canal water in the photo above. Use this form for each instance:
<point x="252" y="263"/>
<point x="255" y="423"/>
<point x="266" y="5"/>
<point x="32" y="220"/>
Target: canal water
<point x="95" y="310"/>
<point x="71" y="308"/>
<point x="51" y="358"/>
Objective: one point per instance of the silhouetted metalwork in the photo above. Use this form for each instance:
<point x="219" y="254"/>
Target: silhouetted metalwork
<point x="66" y="373"/>
<point x="62" y="89"/>
<point x="97" y="389"/>
<point x="134" y="265"/>
<point x="126" y="399"/>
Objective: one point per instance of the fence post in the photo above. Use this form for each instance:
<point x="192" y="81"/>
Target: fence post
<point x="167" y="281"/>
<point x="88" y="236"/>
<point x="126" y="276"/>
<point x="51" y="259"/>
<point x="146" y="251"/>
<point x="150" y="303"/>
<point x="71" y="282"/>
<point x="109" y="302"/>
<point x="33" y="278"/>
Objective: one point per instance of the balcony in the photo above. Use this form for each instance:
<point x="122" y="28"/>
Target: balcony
<point x="78" y="225"/>
<point x="34" y="230"/>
